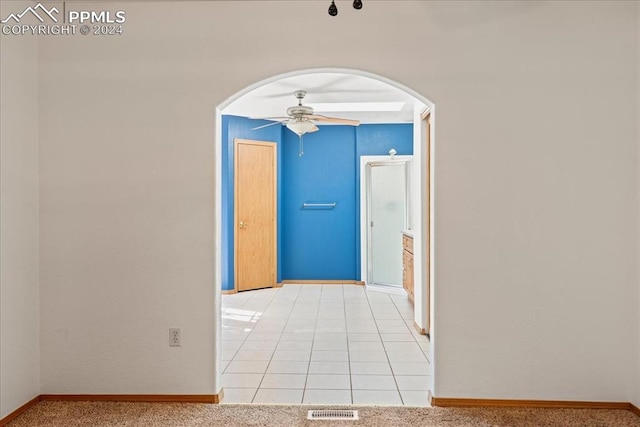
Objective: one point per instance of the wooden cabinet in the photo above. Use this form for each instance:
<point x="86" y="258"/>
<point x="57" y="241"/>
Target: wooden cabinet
<point x="407" y="265"/>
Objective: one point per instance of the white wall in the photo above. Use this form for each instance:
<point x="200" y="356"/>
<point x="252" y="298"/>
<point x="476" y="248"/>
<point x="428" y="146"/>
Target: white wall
<point x="535" y="187"/>
<point x="19" y="306"/>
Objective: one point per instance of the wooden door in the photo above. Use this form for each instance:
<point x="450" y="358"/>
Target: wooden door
<point x="255" y="214"/>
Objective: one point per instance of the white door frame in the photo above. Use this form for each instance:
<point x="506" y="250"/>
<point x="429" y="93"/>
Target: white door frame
<point x="365" y="202"/>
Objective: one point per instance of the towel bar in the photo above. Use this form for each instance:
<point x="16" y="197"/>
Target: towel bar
<point x="319" y="205"/>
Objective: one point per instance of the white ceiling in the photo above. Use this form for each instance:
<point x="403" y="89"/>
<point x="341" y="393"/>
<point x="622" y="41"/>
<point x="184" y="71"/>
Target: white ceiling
<point x="272" y="99"/>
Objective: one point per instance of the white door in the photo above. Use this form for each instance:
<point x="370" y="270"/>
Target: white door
<point x="387" y="217"/>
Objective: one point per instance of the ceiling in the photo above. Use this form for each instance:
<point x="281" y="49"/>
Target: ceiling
<point x="272" y="99"/>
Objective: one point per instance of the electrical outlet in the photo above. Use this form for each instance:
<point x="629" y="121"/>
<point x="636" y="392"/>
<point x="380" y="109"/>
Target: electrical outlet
<point x="174" y="337"/>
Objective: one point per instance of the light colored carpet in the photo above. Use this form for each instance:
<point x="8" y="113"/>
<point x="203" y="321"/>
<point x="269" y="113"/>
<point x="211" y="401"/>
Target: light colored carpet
<point x="98" y="414"/>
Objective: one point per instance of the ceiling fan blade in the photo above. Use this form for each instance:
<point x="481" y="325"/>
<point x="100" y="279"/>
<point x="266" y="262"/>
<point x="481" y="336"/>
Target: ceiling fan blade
<point x="267" y="125"/>
<point x="325" y="119"/>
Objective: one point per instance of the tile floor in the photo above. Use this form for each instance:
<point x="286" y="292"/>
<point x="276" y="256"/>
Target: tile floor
<point x="322" y="344"/>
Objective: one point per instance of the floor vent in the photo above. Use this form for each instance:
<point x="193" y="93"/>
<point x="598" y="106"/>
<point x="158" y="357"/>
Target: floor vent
<point x="332" y="414"/>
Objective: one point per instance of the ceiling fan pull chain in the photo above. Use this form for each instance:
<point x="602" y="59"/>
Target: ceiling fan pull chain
<point x="301" y="150"/>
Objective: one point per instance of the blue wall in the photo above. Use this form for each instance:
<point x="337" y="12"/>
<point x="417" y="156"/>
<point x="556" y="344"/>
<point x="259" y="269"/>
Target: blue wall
<point x="319" y="243"/>
<point x="313" y="244"/>
<point x="240" y="127"/>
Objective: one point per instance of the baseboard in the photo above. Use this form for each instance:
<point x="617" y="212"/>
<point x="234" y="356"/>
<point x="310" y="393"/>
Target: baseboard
<point x="166" y="398"/>
<point x="323" y="282"/>
<point x="15" y="414"/>
<point x="235" y="291"/>
<point x="514" y="403"/>
<point x="173" y="398"/>
<point x="633" y="408"/>
<point x="420" y="330"/>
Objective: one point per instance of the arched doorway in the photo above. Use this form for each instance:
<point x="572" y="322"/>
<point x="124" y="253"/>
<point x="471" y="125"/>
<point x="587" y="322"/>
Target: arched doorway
<point x="422" y="117"/>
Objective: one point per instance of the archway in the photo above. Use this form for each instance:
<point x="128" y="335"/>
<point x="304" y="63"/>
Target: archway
<point x="423" y="226"/>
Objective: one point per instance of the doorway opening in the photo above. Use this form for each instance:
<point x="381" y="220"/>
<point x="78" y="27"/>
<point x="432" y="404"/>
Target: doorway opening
<point x="385" y="208"/>
<point x="420" y="214"/>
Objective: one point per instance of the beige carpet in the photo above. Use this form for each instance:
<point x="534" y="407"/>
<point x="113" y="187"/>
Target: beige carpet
<point x="98" y="414"/>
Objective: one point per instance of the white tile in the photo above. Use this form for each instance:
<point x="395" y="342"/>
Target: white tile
<point x="253" y="354"/>
<point x="263" y="336"/>
<point x="234" y="334"/>
<point x="356" y="302"/>
<point x="292" y="355"/>
<point x="241" y="380"/>
<point x="413" y="382"/>
<point x="370" y="328"/>
<point x="227" y="354"/>
<point x="326" y="381"/>
<point x="367" y="356"/>
<point x="327" y="397"/>
<point x="287" y="367"/>
<point x="297" y="336"/>
<point x="267" y="329"/>
<point x="370" y="368"/>
<point x="402" y="346"/>
<point x="296" y="329"/>
<point x="295" y="345"/>
<point x="410" y="368"/>
<point x="330" y="323"/>
<point x="270" y="322"/>
<point x="358" y="337"/>
<point x="283" y="381"/>
<point x="329" y="336"/>
<point x="224" y="364"/>
<point x="332" y="330"/>
<point x="387" y="314"/>
<point x="373" y="382"/>
<point x="307" y="315"/>
<point x="414" y="398"/>
<point x="406" y="356"/>
<point x="300" y="325"/>
<point x="324" y="315"/>
<point x="276" y="314"/>
<point x="402" y="337"/>
<point x="266" y="395"/>
<point x="231" y="345"/>
<point x="238" y="395"/>
<point x="374" y="346"/>
<point x="425" y="346"/>
<point x="376" y="397"/>
<point x="329" y="356"/>
<point x="237" y="324"/>
<point x="330" y="345"/>
<point x="259" y="345"/>
<point x="385" y="328"/>
<point x="247" y="367"/>
<point x="361" y="322"/>
<point x="329" y="368"/>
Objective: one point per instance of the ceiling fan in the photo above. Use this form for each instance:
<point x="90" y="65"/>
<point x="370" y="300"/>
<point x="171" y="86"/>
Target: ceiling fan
<point x="301" y="119"/>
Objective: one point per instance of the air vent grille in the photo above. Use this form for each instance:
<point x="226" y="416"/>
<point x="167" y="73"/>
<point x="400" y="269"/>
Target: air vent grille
<point x="332" y="414"/>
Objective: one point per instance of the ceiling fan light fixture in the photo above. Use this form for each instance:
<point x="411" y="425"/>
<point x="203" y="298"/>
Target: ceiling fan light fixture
<point x="300" y="127"/>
